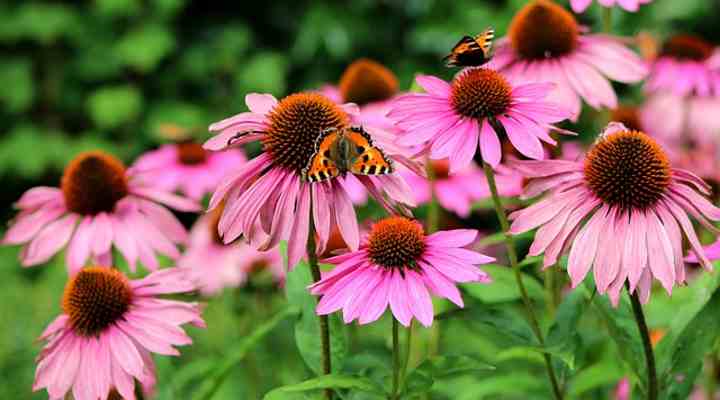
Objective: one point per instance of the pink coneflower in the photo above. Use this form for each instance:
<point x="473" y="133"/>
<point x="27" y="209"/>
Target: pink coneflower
<point x="627" y="191"/>
<point x="398" y="265"/>
<point x="213" y="265"/>
<point x="458" y="192"/>
<point x="687" y="64"/>
<point x="453" y="120"/>
<point x="98" y="204"/>
<point x="680" y="119"/>
<point x="546" y="44"/>
<point x="629" y="5"/>
<point x="186" y="167"/>
<point x="269" y="193"/>
<point x="109" y="328"/>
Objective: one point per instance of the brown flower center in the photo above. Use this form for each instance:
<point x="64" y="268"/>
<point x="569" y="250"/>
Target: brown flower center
<point x="365" y="81"/>
<point x="543" y="29"/>
<point x="688" y="47"/>
<point x="294" y="125"/>
<point x="191" y="153"/>
<point x="95" y="298"/>
<point x="396" y="242"/>
<point x="628" y="169"/>
<point x="440" y="169"/>
<point x="480" y="93"/>
<point x="628" y="116"/>
<point x="94" y="182"/>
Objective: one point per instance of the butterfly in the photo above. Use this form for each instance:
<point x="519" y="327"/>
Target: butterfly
<point x="339" y="151"/>
<point x="471" y="52"/>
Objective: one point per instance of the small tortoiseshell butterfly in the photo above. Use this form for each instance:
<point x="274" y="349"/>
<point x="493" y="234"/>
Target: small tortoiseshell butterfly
<point x="472" y="52"/>
<point x="339" y="151"/>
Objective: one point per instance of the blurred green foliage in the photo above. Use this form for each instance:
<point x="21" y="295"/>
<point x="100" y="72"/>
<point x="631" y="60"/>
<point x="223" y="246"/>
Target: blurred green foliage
<point x="108" y="73"/>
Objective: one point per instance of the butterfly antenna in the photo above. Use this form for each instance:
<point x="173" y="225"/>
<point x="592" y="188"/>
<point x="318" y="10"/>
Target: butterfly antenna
<point x="238" y="135"/>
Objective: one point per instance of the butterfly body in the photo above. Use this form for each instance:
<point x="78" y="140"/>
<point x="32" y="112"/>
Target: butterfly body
<point x="471" y="51"/>
<point x="339" y="151"/>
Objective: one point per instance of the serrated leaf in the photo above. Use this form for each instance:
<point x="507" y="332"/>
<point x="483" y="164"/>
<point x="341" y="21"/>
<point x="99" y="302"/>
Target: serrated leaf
<point x="324" y="382"/>
<point x="503" y="287"/>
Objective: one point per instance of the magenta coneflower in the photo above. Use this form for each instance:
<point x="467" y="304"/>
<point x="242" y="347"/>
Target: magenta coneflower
<point x="626" y="190"/>
<point x="268" y="192"/>
<point x="629" y="5"/>
<point x="398" y="265"/>
<point x="458" y="192"/>
<point x="682" y="119"/>
<point x="109" y="328"/>
<point x="186" y="167"/>
<point x="453" y="120"/>
<point x="213" y="265"/>
<point x="687" y="64"/>
<point x="98" y="204"/>
<point x="546" y="44"/>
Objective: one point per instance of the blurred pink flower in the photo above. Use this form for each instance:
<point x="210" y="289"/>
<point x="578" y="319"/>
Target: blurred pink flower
<point x="186" y="167"/>
<point x="680" y="119"/>
<point x="454" y="120"/>
<point x="687" y="65"/>
<point x="629" y="5"/>
<point x="111" y="206"/>
<point x="626" y="189"/>
<point x="622" y="390"/>
<point x="109" y="328"/>
<point x="398" y="265"/>
<point x="266" y="200"/>
<point x="546" y="44"/>
<point x="213" y="265"/>
<point x="458" y="192"/>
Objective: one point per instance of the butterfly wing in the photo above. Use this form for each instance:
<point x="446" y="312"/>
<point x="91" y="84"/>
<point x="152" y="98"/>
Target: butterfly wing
<point x="363" y="157"/>
<point x="472" y="52"/>
<point x="464" y="45"/>
<point x="322" y="165"/>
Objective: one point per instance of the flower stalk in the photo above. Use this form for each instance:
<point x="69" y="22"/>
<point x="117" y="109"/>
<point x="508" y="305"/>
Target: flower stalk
<point x="324" y="327"/>
<point x="652" y="393"/>
<point x="512" y="255"/>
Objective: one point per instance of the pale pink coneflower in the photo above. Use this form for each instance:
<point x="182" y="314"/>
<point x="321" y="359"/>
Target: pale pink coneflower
<point x="545" y="43"/>
<point x="682" y="119"/>
<point x="398" y="265"/>
<point x="628" y="5"/>
<point x="98" y="204"/>
<point x="686" y="65"/>
<point x="267" y="200"/>
<point x="213" y="265"/>
<point x="186" y="167"/>
<point x="636" y="209"/>
<point x="453" y="120"/>
<point x="458" y="192"/>
<point x="108" y="330"/>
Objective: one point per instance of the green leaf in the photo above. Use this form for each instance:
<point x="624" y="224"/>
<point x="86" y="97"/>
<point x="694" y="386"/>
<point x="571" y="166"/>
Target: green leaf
<point x="238" y="352"/>
<point x="44" y="23"/>
<point x="563" y="340"/>
<point x="18" y="93"/>
<point x="623" y="330"/>
<point x="307" y="328"/>
<point x="113" y="106"/>
<point x="421" y="379"/>
<point x="264" y="72"/>
<point x="595" y="376"/>
<point x="503" y="287"/>
<point x="325" y="382"/>
<point x="144" y="48"/>
<point x="686" y="354"/>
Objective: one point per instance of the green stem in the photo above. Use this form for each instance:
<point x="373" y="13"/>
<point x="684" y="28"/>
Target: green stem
<point x="607" y="19"/>
<point x="324" y="328"/>
<point x="396" y="360"/>
<point x="406" y="359"/>
<point x="647" y="344"/>
<point x="512" y="255"/>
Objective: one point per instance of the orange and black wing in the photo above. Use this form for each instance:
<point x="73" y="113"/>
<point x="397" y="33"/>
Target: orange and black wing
<point x="365" y="158"/>
<point x="472" y="52"/>
<point x="322" y="166"/>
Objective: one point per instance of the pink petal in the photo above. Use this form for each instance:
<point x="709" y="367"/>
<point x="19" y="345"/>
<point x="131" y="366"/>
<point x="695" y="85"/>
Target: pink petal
<point x="49" y="241"/>
<point x="420" y="301"/>
<point x="583" y="249"/>
<point x="260" y="103"/>
<point x="399" y="300"/>
<point x="433" y="85"/>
